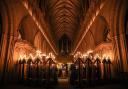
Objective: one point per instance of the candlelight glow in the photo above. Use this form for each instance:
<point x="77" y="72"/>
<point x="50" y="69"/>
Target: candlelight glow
<point x="97" y="56"/>
<point x="84" y="43"/>
<point x="108" y="56"/>
<point x="31" y="56"/>
<point x="85" y="55"/>
<point x="20" y="57"/>
<point x="38" y="54"/>
<point x="89" y="51"/>
<point x="43" y="54"/>
<point x="78" y="55"/>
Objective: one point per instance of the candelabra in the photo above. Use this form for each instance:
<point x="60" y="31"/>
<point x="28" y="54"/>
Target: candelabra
<point x="93" y="65"/>
<point x="30" y="65"/>
<point x="78" y="60"/>
<point x="50" y="59"/>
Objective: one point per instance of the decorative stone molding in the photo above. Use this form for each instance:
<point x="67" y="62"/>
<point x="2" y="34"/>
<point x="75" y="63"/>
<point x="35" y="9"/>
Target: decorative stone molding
<point x="22" y="47"/>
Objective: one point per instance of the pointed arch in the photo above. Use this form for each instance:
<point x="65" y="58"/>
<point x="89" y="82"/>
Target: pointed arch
<point x="27" y="29"/>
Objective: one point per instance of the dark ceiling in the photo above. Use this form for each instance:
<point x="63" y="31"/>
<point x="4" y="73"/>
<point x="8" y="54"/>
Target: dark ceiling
<point x="64" y="16"/>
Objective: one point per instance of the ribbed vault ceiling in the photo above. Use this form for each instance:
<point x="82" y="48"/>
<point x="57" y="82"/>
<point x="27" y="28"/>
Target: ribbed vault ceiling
<point x="64" y="16"/>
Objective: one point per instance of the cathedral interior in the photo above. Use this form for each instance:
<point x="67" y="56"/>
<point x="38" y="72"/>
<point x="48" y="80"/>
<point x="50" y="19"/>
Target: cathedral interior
<point x="63" y="44"/>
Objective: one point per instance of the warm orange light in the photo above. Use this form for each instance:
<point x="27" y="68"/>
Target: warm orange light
<point x="78" y="55"/>
<point x="97" y="11"/>
<point x="97" y="56"/>
<point x="27" y="6"/>
<point x="52" y="56"/>
<point x="85" y="55"/>
<point x="107" y="56"/>
<point x="21" y="57"/>
<point x="38" y="54"/>
<point x="89" y="51"/>
<point x="31" y="56"/>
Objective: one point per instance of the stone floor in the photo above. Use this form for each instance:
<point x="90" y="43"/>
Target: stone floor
<point x="63" y="84"/>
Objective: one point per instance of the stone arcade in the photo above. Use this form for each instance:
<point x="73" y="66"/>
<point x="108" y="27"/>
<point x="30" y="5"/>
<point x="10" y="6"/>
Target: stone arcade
<point x="59" y="43"/>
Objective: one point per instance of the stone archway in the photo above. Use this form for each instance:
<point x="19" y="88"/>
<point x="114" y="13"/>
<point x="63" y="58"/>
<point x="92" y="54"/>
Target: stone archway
<point x="38" y="41"/>
<point x="119" y="38"/>
<point x="27" y="29"/>
<point x="6" y="44"/>
<point x="101" y="26"/>
<point x="64" y="45"/>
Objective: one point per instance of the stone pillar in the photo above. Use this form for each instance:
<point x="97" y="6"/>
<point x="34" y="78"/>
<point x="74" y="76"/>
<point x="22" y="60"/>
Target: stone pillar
<point x="7" y="58"/>
<point x="2" y="54"/>
<point x="123" y="52"/>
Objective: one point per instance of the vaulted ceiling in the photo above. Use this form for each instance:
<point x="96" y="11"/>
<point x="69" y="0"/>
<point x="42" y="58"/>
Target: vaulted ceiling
<point x="64" y="16"/>
<point x="79" y="20"/>
<point x="70" y="18"/>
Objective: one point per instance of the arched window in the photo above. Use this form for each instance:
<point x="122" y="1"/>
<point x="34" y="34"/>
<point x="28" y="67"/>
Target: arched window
<point x="42" y="4"/>
<point x="64" y="45"/>
<point x="106" y="35"/>
<point x="21" y="33"/>
<point x="0" y="28"/>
